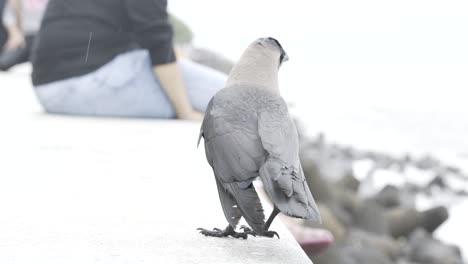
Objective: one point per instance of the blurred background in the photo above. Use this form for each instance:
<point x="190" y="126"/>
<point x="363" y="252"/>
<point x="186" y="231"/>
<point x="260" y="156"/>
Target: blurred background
<point x="386" y="79"/>
<point x="375" y="74"/>
<point x="378" y="90"/>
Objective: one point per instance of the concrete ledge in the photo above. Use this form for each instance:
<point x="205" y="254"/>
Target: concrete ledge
<point x="82" y="190"/>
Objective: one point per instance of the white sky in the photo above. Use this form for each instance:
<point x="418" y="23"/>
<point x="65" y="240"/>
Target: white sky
<point x="375" y="74"/>
<point x="384" y="51"/>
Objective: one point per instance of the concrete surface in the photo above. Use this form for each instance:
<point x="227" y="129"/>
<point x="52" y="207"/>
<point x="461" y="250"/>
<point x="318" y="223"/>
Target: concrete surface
<point x="82" y="190"/>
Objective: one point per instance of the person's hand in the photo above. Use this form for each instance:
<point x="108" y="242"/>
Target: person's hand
<point x="15" y="40"/>
<point x="191" y="115"/>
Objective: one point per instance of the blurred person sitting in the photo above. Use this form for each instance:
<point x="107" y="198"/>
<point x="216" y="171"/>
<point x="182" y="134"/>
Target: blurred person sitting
<point x="3" y="32"/>
<point x="22" y="19"/>
<point x="116" y="58"/>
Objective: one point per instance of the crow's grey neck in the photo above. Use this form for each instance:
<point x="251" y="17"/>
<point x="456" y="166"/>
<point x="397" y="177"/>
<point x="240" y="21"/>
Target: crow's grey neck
<point x="256" y="68"/>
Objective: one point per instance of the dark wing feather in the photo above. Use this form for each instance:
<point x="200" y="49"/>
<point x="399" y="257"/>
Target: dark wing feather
<point x="235" y="154"/>
<point x="235" y="157"/>
<point x="282" y="173"/>
<point x="231" y="209"/>
<point x="249" y="204"/>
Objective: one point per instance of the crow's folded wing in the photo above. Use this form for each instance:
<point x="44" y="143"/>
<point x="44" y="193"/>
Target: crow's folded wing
<point x="282" y="173"/>
<point x="235" y="170"/>
<point x="235" y="153"/>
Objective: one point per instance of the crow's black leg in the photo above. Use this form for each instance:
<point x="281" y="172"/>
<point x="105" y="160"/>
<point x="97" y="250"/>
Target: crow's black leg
<point x="270" y="219"/>
<point x="266" y="232"/>
<point x="229" y="231"/>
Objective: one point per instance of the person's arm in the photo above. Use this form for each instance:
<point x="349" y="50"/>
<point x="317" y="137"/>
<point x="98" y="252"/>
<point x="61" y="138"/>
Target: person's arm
<point x="150" y="25"/>
<point x="12" y="22"/>
<point x="171" y="80"/>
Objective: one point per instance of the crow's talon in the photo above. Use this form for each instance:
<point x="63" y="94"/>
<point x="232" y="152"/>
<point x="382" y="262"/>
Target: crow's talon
<point x="271" y="234"/>
<point x="245" y="228"/>
<point x="216" y="232"/>
<point x="209" y="232"/>
<point x="248" y="231"/>
<point x="239" y="235"/>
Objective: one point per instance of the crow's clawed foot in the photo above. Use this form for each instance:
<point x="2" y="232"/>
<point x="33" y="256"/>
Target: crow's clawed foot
<point x="270" y="234"/>
<point x="216" y="232"/>
<point x="249" y="231"/>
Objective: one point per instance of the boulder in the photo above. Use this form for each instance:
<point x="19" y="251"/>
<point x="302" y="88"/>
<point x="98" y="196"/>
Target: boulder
<point x="423" y="248"/>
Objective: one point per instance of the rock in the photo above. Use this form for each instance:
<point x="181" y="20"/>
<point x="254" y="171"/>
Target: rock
<point x="427" y="162"/>
<point x="328" y="194"/>
<point x="348" y="202"/>
<point x="405" y="261"/>
<point x="389" y="196"/>
<point x="330" y="159"/>
<point x="389" y="246"/>
<point x="333" y="255"/>
<point x="368" y="207"/>
<point x="320" y="188"/>
<point x="370" y="216"/>
<point x="425" y="249"/>
<point x="352" y="253"/>
<point x="453" y="170"/>
<point x="403" y="221"/>
<point x="368" y="255"/>
<point x="349" y="182"/>
<point x="434" y="217"/>
<point x="210" y="59"/>
<point x="438" y="181"/>
<point x="329" y="222"/>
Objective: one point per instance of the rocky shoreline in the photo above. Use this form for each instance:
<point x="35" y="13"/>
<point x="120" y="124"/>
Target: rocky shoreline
<point x="372" y="212"/>
<point x="370" y="201"/>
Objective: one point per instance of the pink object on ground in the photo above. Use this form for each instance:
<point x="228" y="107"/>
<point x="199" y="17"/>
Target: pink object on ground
<point x="312" y="240"/>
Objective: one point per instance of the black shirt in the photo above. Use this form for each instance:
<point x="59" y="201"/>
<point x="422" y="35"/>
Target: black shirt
<point x="79" y="36"/>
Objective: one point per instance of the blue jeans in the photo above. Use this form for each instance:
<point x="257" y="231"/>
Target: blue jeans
<point x="127" y="87"/>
